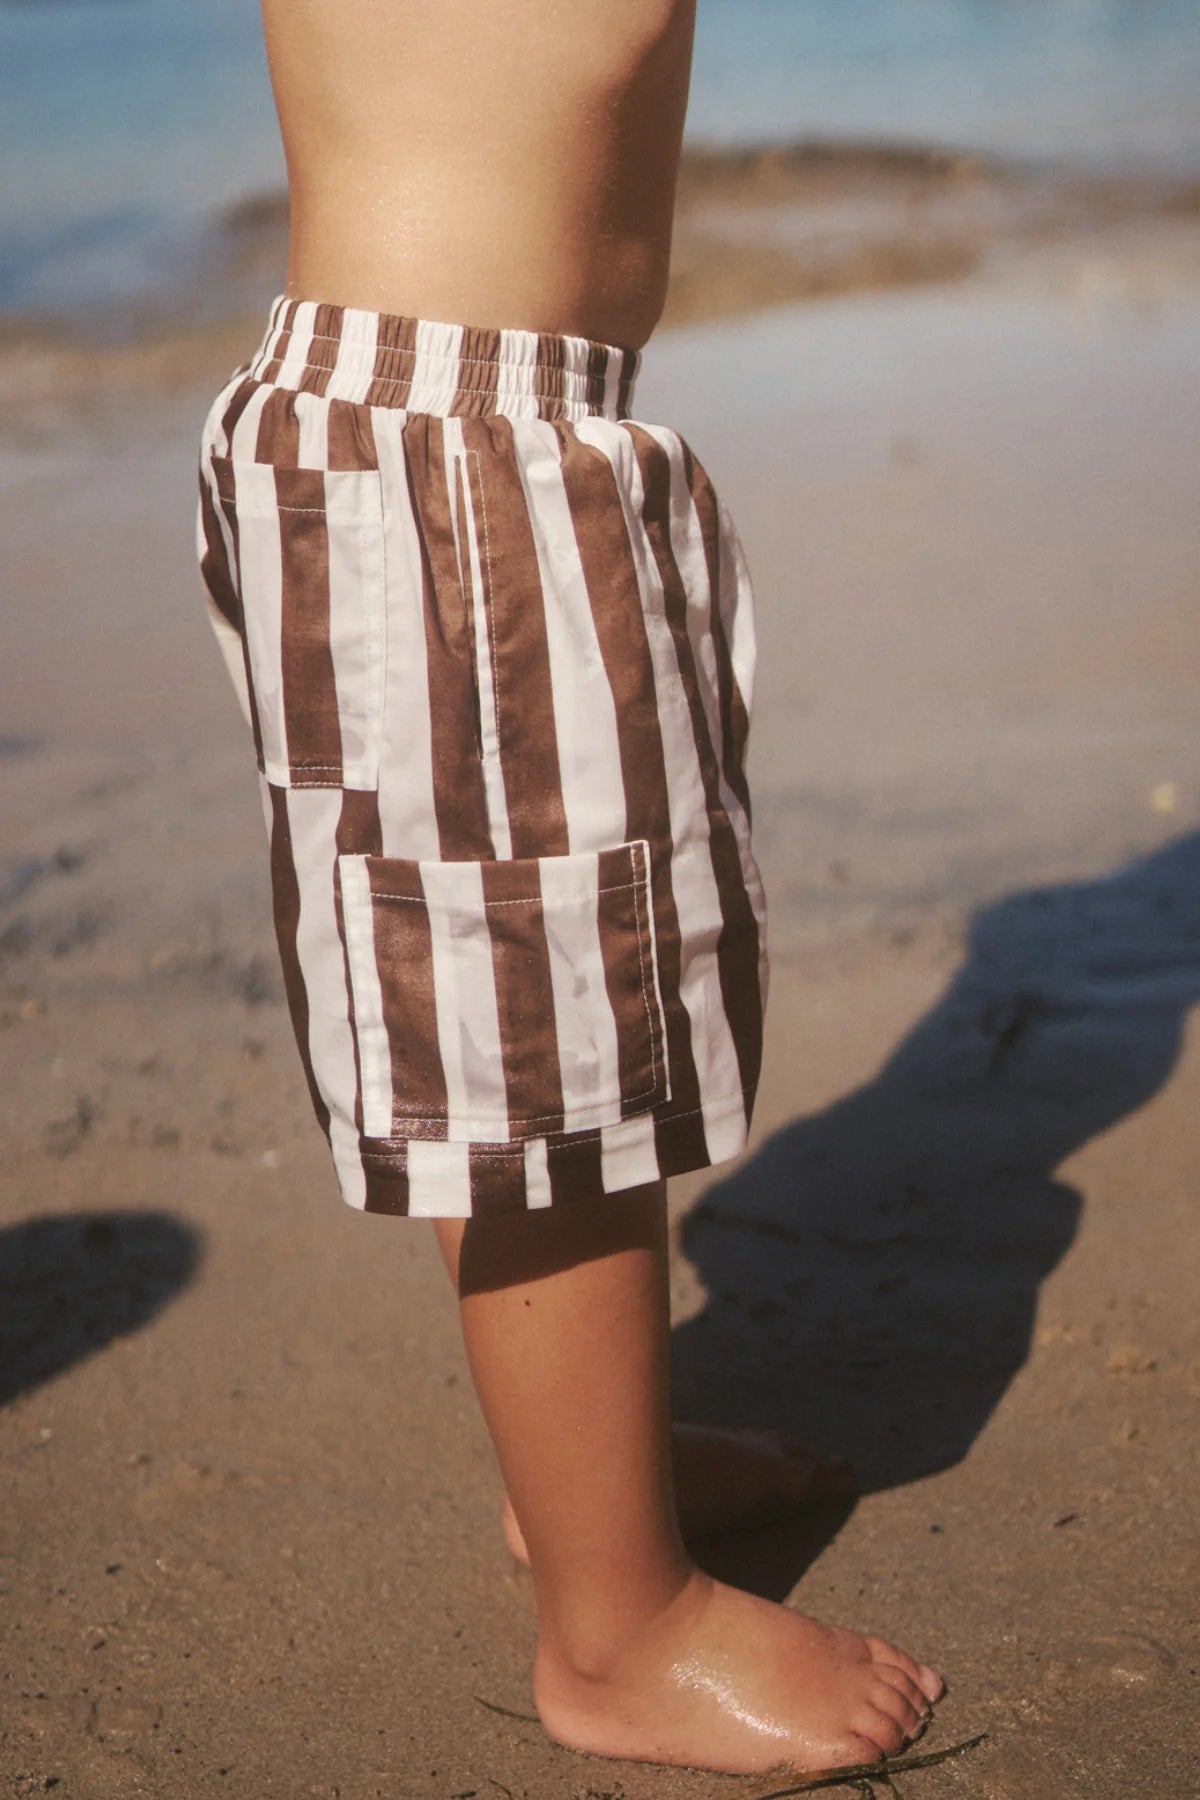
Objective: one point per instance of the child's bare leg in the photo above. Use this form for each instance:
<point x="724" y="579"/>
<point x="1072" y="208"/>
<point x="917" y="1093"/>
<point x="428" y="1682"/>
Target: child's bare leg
<point x="640" y="1654"/>
<point x="723" y="1478"/>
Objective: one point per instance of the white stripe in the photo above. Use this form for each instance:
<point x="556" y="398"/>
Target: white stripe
<point x="270" y="338"/>
<point x="475" y="559"/>
<point x="687" y="548"/>
<point x="585" y="718"/>
<point x="435" y="369"/>
<point x="537" y="1174"/>
<point x="439" y="1180"/>
<point x="628" y="1154"/>
<point x="575" y="367"/>
<point x="583" y="1018"/>
<point x="354" y="366"/>
<point x="357" y="617"/>
<point x="296" y="358"/>
<point x="468" y="1018"/>
<point x="312" y="826"/>
<point x="229" y="640"/>
<point x="514" y="376"/>
<point x="261" y="569"/>
<point x="725" y="1129"/>
<point x="312" y="416"/>
<point x="407" y="812"/>
<point x="693" y="881"/>
<point x="264" y="795"/>
<point x="374" y="1051"/>
<point x="737" y="616"/>
<point x="612" y="383"/>
<point x="737" y="611"/>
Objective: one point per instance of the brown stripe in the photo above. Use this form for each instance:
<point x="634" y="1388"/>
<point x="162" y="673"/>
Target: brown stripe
<point x="524" y="997"/>
<point x="625" y="946"/>
<point x="387" y="1184"/>
<point x="737" y="946"/>
<point x="223" y="472"/>
<point x="395" y="355"/>
<point x="404" y="960"/>
<point x="223" y="475"/>
<point x="549" y="363"/>
<point x="497" y="1179"/>
<point x="215" y="571"/>
<point x="625" y="380"/>
<point x="459" y="798"/>
<point x="310" y="708"/>
<point x="285" y="898"/>
<point x="278" y="438"/>
<point x="478" y="370"/>
<point x="350" y="436"/>
<point x="321" y="353"/>
<point x="610" y="574"/>
<point x="468" y="593"/>
<point x="574" y="1167"/>
<point x="551" y="377"/>
<point x="734" y="719"/>
<point x="238" y="403"/>
<point x="597" y="370"/>
<point x="515" y="607"/>
<point x="675" y="1143"/>
<point x="359" y="833"/>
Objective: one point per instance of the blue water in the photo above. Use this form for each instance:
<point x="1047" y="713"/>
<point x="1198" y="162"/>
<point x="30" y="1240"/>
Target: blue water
<point x="124" y="124"/>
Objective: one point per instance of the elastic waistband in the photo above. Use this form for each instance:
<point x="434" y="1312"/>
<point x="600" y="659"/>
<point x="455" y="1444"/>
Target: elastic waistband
<point x="433" y="366"/>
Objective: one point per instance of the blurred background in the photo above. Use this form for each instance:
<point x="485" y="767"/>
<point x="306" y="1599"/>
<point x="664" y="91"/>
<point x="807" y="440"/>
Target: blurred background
<point x="934" y="329"/>
<point x="138" y="144"/>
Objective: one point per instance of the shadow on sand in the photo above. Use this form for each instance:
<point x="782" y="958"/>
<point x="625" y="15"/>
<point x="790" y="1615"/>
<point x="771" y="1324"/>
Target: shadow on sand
<point x="71" y="1282"/>
<point x="872" y="1272"/>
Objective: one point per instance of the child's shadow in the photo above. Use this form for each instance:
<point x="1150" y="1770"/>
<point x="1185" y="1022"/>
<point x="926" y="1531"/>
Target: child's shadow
<point x="872" y="1272"/>
<point x="72" y="1282"/>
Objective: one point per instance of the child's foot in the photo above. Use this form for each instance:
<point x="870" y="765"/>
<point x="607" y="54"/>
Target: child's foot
<point x="726" y="1479"/>
<point x="725" y="1681"/>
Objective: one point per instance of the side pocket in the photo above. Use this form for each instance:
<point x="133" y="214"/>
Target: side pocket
<point x="310" y="578"/>
<point x="496" y="1001"/>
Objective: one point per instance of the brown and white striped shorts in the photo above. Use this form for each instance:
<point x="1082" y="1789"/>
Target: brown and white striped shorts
<point x="495" y="642"/>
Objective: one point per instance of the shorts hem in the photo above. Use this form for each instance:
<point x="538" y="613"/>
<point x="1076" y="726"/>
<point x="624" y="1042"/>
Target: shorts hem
<point x="416" y="1178"/>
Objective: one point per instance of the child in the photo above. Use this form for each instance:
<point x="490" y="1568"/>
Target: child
<point x="494" y="638"/>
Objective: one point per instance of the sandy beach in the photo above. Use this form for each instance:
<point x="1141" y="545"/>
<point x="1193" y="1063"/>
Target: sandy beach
<point x="248" y="1540"/>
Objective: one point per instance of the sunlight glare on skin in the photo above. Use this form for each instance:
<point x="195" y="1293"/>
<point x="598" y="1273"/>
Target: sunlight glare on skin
<point x="703" y="1680"/>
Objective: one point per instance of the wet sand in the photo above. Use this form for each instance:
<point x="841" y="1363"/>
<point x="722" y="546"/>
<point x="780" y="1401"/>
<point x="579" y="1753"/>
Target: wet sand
<point x="248" y="1543"/>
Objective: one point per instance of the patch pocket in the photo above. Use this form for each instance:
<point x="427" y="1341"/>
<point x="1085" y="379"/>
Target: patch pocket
<point x="309" y="569"/>
<point x="497" y="1001"/>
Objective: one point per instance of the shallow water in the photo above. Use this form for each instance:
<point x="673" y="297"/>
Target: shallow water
<point x="125" y="124"/>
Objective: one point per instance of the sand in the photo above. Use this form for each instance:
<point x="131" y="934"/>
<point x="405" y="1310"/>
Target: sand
<point x="248" y="1540"/>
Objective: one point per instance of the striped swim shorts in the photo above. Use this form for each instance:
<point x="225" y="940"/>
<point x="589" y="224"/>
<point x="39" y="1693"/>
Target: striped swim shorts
<point x="494" y="638"/>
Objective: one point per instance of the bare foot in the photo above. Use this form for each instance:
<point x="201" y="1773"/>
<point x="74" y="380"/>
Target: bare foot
<point x="730" y="1479"/>
<point x="724" y="1681"/>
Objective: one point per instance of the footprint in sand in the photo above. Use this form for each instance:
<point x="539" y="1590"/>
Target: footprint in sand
<point x="1127" y="1659"/>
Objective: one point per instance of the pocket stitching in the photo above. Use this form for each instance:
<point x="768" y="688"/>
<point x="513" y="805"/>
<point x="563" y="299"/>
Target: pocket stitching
<point x="643" y="879"/>
<point x="657" y="1089"/>
<point x="488" y="609"/>
<point x="531" y="900"/>
<point x="296" y="770"/>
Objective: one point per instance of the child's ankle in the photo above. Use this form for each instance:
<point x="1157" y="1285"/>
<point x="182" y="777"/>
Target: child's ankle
<point x="591" y="1639"/>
